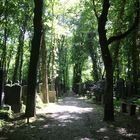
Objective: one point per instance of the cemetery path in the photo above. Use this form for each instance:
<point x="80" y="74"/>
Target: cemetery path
<point x="71" y="118"/>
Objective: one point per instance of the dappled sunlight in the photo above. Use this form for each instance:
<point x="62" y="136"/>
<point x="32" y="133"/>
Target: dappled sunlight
<point x="124" y="132"/>
<point x="55" y="108"/>
<point x="63" y="114"/>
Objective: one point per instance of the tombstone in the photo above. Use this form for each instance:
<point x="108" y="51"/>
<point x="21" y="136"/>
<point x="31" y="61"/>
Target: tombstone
<point x="24" y="93"/>
<point x="13" y="97"/>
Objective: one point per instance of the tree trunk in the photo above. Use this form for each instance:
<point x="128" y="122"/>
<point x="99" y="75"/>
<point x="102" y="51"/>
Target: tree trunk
<point x="1" y="85"/>
<point x="77" y="77"/>
<point x="4" y="53"/>
<point x="17" y="61"/>
<point x="108" y="95"/>
<point x="19" y="58"/>
<point x="44" y="71"/>
<point x="35" y="49"/>
<point x="53" y="70"/>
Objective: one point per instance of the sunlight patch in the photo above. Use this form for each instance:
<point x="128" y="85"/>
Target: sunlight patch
<point x="124" y="132"/>
<point x="53" y="108"/>
<point x="104" y="129"/>
<point x="78" y="138"/>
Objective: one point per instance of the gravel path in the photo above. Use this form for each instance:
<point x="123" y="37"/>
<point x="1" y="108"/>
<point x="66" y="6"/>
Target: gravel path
<point x="70" y="119"/>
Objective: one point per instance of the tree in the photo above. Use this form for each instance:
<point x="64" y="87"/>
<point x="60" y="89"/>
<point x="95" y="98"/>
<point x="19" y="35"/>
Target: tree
<point x="106" y="55"/>
<point x="35" y="49"/>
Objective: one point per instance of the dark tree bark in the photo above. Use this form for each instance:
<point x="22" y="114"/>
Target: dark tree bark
<point x="35" y="49"/>
<point x="108" y="96"/>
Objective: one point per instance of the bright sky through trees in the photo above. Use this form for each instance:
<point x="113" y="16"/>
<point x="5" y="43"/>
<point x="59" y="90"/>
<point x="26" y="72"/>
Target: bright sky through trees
<point x="69" y="2"/>
<point x="61" y="26"/>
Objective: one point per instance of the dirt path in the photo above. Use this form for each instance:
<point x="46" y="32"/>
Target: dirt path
<point x="70" y="119"/>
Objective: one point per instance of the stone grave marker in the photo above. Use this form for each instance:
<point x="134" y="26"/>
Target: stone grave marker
<point x="13" y="97"/>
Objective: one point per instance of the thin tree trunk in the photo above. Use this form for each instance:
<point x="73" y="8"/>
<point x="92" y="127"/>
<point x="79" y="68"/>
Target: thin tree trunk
<point x="19" y="57"/>
<point x="77" y="77"/>
<point x="1" y="85"/>
<point x="22" y="46"/>
<point x="4" y="53"/>
<point x="17" y="60"/>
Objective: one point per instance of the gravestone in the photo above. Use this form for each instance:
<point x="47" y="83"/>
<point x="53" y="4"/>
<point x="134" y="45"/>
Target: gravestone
<point x="13" y="97"/>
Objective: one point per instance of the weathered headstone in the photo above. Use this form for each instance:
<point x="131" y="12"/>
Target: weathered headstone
<point x="13" y="97"/>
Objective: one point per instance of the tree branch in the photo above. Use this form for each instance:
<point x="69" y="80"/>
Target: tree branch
<point x="95" y="10"/>
<point x="123" y="35"/>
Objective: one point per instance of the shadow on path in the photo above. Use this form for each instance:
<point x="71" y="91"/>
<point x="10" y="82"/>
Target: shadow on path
<point x="72" y="118"/>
